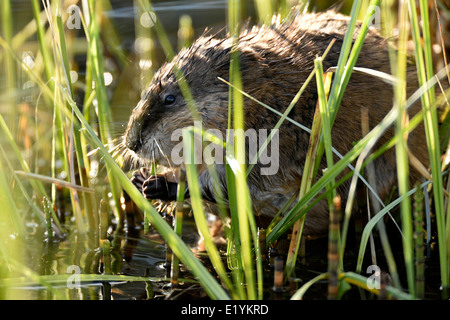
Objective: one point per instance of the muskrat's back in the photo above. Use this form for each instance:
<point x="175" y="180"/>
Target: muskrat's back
<point x="274" y="63"/>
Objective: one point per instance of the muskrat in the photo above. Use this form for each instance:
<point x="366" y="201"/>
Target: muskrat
<point x="274" y="62"/>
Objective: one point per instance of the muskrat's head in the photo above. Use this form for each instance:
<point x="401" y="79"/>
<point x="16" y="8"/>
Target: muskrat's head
<point x="154" y="126"/>
<point x="271" y="72"/>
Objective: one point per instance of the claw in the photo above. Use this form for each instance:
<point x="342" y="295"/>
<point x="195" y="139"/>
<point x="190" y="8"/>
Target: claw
<point x="155" y="186"/>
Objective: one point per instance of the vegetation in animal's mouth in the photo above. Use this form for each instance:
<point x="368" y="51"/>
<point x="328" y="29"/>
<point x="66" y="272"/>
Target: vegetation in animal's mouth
<point x="65" y="182"/>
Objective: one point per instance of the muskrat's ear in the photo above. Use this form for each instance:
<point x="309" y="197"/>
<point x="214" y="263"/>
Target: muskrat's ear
<point x="158" y="86"/>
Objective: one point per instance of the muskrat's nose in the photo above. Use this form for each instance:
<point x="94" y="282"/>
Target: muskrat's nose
<point x="132" y="138"/>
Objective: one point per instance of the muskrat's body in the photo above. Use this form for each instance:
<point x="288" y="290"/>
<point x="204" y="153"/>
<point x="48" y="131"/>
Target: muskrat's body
<point x="274" y="62"/>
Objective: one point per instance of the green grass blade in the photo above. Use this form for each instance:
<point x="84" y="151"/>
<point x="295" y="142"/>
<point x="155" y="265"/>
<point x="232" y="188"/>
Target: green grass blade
<point x="237" y="163"/>
<point x="9" y="65"/>
<point x="402" y="151"/>
<point x="326" y="120"/>
<point x="361" y="281"/>
<point x="40" y="190"/>
<point x="197" y="207"/>
<point x="343" y="58"/>
<point x="433" y="143"/>
<point x="10" y="214"/>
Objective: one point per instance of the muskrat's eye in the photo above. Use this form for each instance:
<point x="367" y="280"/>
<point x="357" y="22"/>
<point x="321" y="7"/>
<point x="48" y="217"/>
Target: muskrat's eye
<point x="170" y="99"/>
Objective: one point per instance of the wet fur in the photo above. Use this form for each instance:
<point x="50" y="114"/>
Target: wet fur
<point x="274" y="63"/>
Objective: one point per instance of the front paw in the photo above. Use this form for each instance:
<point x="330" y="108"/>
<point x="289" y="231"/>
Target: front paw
<point x="157" y="187"/>
<point x="139" y="177"/>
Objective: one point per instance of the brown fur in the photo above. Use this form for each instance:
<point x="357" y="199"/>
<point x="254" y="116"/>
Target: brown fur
<point x="274" y="62"/>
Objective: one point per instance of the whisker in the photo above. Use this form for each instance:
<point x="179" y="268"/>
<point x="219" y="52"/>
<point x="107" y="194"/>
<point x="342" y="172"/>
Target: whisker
<point x="168" y="161"/>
